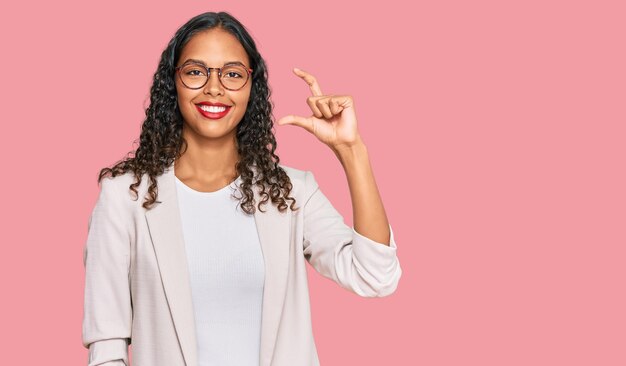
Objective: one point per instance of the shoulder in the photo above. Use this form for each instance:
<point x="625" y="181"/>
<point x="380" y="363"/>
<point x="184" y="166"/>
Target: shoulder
<point x="118" y="189"/>
<point x="302" y="180"/>
<point x="294" y="173"/>
<point x="118" y="182"/>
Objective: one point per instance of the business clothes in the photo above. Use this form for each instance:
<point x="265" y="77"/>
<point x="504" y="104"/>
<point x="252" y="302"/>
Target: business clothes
<point x="137" y="288"/>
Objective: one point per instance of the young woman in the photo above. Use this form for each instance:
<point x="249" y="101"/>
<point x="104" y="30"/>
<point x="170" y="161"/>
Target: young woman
<point x="209" y="267"/>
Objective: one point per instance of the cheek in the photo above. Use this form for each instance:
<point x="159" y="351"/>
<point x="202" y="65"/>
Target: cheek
<point x="183" y="93"/>
<point x="245" y="101"/>
<point x="183" y="98"/>
<point x="243" y="106"/>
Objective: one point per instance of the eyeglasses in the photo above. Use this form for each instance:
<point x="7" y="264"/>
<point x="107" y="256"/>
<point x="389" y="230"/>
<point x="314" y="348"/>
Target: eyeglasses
<point x="195" y="75"/>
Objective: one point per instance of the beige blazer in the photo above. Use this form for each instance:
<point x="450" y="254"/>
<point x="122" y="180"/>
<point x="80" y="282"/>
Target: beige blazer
<point x="137" y="289"/>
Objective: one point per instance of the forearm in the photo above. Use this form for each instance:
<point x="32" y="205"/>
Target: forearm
<point x="369" y="217"/>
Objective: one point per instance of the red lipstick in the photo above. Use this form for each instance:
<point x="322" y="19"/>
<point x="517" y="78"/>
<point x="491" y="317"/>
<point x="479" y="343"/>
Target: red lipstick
<point x="213" y="103"/>
<point x="215" y="114"/>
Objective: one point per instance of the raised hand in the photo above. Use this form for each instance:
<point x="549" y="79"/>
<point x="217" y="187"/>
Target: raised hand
<point x="334" y="119"/>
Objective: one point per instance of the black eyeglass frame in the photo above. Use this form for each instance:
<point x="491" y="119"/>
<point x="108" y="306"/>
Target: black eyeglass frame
<point x="208" y="70"/>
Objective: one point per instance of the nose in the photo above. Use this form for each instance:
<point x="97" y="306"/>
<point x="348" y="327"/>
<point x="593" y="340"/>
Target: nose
<point x="213" y="85"/>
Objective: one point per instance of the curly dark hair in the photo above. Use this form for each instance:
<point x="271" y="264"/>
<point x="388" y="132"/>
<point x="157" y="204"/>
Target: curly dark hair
<point x="161" y="140"/>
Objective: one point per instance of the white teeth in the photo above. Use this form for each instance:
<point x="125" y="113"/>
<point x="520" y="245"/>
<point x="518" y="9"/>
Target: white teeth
<point x="212" y="109"/>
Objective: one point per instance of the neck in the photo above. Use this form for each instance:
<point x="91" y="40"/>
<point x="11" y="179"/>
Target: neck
<point x="208" y="160"/>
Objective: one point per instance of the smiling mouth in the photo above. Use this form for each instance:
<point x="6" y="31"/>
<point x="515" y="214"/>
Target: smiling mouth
<point x="213" y="112"/>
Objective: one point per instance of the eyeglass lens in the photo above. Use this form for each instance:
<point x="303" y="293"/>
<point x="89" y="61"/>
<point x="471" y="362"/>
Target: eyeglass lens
<point x="195" y="76"/>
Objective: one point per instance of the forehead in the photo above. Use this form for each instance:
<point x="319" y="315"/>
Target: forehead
<point x="214" y="47"/>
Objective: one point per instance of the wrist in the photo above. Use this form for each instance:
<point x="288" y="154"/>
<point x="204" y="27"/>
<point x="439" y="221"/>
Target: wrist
<point x="349" y="147"/>
<point x="349" y="153"/>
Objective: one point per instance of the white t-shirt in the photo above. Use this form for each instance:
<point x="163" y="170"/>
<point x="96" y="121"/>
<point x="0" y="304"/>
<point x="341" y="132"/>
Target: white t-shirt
<point x="227" y="274"/>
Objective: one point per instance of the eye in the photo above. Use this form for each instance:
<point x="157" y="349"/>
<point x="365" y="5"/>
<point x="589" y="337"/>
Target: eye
<point x="194" y="72"/>
<point x="232" y="74"/>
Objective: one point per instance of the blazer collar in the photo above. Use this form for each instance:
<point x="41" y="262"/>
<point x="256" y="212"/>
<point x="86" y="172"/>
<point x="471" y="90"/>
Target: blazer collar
<point x="165" y="228"/>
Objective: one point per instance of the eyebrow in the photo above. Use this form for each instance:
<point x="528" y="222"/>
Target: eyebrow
<point x="202" y="62"/>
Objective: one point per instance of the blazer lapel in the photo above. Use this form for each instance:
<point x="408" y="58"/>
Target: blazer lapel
<point x="274" y="230"/>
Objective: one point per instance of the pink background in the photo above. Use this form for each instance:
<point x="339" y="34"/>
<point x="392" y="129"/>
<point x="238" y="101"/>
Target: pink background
<point x="499" y="156"/>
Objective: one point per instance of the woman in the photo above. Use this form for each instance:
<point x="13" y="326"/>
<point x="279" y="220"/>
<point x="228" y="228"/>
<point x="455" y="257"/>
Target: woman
<point x="193" y="275"/>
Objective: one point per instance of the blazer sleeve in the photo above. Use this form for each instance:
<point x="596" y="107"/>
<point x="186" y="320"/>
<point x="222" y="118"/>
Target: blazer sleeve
<point x="107" y="309"/>
<point x="338" y="252"/>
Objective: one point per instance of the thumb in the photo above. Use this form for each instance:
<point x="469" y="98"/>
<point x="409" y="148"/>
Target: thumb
<point x="296" y="120"/>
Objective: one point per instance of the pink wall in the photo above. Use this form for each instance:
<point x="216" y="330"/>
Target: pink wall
<point x="499" y="157"/>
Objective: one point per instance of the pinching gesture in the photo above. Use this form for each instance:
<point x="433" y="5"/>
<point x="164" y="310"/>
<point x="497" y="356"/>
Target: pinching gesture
<point x="334" y="119"/>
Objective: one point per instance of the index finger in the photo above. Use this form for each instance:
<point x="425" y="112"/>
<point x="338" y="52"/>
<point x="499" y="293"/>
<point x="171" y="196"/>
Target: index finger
<point x="309" y="79"/>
